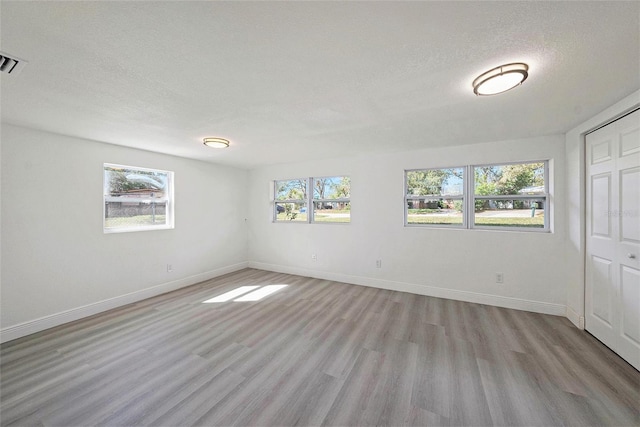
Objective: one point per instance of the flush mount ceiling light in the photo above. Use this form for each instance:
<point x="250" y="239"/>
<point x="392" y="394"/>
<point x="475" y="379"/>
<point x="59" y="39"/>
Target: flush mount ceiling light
<point x="216" y="142"/>
<point x="500" y="79"/>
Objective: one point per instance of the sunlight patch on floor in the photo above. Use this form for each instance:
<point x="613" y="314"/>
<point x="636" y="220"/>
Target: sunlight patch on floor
<point x="231" y="294"/>
<point x="261" y="293"/>
<point x="245" y="293"/>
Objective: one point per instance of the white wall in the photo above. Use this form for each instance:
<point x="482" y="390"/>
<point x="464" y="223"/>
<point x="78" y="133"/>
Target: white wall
<point x="58" y="265"/>
<point x="575" y="177"/>
<point x="459" y="264"/>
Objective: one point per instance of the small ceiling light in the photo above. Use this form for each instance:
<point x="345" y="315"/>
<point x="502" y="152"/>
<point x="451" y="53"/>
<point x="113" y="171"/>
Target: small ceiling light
<point x="216" y="142"/>
<point x="500" y="79"/>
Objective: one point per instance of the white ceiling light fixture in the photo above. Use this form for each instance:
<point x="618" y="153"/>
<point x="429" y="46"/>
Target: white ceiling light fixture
<point x="501" y="79"/>
<point x="216" y="142"/>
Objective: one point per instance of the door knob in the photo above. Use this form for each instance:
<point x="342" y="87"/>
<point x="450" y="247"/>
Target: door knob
<point x="632" y="256"/>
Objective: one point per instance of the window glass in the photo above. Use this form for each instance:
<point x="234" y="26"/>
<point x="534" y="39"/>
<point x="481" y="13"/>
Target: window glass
<point x="441" y="211"/>
<point x="292" y="189"/>
<point x="527" y="213"/>
<point x="516" y="179"/>
<point x="137" y="199"/>
<point x="440" y="182"/>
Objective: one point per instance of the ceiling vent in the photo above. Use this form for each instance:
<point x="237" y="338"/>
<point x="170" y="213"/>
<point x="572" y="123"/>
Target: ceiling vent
<point x="9" y="64"/>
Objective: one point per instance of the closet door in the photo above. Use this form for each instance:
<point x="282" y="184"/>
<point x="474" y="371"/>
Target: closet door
<point x="612" y="286"/>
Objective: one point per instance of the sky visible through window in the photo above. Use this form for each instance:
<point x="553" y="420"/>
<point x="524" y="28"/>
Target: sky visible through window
<point x="453" y="185"/>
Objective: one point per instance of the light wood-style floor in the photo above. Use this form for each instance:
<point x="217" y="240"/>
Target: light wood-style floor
<point x="315" y="353"/>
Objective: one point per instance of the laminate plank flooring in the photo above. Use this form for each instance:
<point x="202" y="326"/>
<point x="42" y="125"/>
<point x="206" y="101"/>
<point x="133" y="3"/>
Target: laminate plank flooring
<point x="316" y="353"/>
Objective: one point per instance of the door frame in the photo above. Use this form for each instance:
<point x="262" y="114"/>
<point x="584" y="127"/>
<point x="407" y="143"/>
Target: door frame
<point x="596" y="329"/>
<point x="575" y="204"/>
<point x="585" y="222"/>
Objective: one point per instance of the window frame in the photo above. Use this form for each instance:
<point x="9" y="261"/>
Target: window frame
<point x="309" y="201"/>
<point x="461" y="197"/>
<point x="469" y="198"/>
<point x="313" y="200"/>
<point x="168" y="198"/>
<point x="545" y="196"/>
<point x="275" y="201"/>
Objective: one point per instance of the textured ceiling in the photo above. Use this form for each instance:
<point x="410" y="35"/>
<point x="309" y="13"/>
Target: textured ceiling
<point x="289" y="81"/>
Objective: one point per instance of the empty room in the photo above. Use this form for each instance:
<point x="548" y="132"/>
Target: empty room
<point x="320" y="213"/>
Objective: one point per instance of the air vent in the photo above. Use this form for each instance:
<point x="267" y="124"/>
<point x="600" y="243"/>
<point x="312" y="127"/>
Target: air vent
<point x="9" y="64"/>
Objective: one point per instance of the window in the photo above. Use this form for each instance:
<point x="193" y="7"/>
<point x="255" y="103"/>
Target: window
<point x="291" y="200"/>
<point x="510" y="196"/>
<point x="137" y="199"/>
<point x="331" y="199"/>
<point x="435" y="196"/>
<point x="502" y="196"/>
<point x="328" y="201"/>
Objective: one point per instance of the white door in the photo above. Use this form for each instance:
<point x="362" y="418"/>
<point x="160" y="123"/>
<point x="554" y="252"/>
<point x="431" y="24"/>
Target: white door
<point x="612" y="290"/>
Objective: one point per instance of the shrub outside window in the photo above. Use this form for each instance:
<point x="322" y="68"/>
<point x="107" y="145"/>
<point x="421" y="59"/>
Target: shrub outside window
<point x="435" y="196"/>
<point x="510" y="196"/>
<point x="329" y="199"/>
<point x="137" y="199"/>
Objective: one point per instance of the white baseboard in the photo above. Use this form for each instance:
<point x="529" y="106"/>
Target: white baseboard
<point x="575" y="318"/>
<point x="43" y="323"/>
<point x="433" y="291"/>
<point x="37" y="325"/>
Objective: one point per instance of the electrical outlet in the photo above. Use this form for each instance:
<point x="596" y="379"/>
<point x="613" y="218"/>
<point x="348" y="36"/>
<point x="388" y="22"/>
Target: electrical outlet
<point x="499" y="278"/>
<point x="169" y="268"/>
<point x="378" y="263"/>
<point x="314" y="257"/>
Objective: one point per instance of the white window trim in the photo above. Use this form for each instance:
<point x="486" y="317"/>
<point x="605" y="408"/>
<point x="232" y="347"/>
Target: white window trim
<point x="275" y="202"/>
<point x="545" y="196"/>
<point x="312" y="200"/>
<point x="461" y="197"/>
<point x="308" y="202"/>
<point x="469" y="197"/>
<point x="169" y="199"/>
